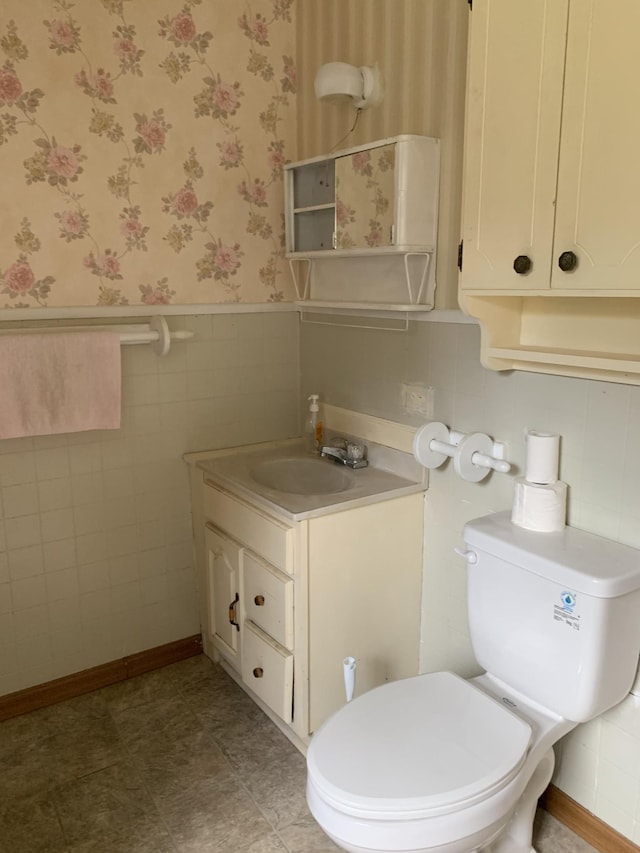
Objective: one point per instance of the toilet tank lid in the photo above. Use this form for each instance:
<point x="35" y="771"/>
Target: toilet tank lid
<point x="574" y="558"/>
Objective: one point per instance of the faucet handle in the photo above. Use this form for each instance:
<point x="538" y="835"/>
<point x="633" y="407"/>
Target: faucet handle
<point x="339" y="442"/>
<point x="355" y="452"/>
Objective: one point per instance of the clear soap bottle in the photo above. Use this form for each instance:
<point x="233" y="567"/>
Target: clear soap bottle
<point x="313" y="426"/>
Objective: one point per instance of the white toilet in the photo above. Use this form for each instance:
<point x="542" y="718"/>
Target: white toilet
<point x="439" y="764"/>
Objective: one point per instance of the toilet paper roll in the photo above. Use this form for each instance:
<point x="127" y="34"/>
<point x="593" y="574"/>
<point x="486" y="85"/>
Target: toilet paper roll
<point x="543" y="452"/>
<point x="539" y="507"/>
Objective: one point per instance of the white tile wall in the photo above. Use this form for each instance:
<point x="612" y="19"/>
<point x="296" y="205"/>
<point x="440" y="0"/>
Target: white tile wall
<point x="598" y="763"/>
<point x="95" y="532"/>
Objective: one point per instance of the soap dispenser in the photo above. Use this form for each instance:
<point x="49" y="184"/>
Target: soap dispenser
<point x="313" y="426"/>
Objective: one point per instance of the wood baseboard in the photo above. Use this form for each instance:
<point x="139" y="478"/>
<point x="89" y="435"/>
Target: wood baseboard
<point x="585" y="824"/>
<point x="51" y="692"/>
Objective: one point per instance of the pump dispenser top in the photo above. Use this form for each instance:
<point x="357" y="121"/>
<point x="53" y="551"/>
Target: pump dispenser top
<point x="313" y="427"/>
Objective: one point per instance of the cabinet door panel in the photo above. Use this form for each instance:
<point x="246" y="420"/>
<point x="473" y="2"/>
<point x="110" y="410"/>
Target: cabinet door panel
<point x="223" y="567"/>
<point x="599" y="175"/>
<point x="365" y="577"/>
<point x="514" y="99"/>
<point x="365" y="198"/>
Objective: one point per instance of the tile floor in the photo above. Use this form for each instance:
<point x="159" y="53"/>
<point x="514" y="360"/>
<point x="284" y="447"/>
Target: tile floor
<point x="176" y="761"/>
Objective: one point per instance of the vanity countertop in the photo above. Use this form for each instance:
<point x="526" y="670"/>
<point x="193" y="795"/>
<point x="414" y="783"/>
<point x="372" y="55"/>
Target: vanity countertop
<point x="235" y="470"/>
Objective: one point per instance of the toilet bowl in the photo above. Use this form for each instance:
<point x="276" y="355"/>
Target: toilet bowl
<point x="432" y="764"/>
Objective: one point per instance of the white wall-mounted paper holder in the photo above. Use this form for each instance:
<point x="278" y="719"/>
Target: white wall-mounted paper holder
<point x="474" y="455"/>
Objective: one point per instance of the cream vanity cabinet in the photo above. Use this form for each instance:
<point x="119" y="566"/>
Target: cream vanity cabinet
<point x="287" y="601"/>
<point x="551" y="213"/>
<point x="379" y="199"/>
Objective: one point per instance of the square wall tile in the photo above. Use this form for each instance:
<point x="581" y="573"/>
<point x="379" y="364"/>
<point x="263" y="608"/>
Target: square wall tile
<point x="25" y="562"/>
<point x="62" y="584"/>
<point x="20" y="500"/>
<point x="94" y="576"/>
<point x="55" y="494"/>
<point x="23" y="531"/>
<point x="28" y="592"/>
<point x="17" y="468"/>
<point x="60" y="554"/>
<point x="53" y="463"/>
<point x="85" y="458"/>
<point x="57" y="524"/>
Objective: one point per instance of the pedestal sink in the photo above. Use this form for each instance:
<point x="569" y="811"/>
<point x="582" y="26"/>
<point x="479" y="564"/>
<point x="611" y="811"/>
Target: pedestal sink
<point x="299" y="476"/>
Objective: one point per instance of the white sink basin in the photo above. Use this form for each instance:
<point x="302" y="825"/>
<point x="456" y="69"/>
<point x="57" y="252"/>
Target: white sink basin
<point x="297" y="476"/>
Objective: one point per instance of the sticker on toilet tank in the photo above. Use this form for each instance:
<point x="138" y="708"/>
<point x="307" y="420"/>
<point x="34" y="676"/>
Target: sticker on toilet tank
<point x="566" y="610"/>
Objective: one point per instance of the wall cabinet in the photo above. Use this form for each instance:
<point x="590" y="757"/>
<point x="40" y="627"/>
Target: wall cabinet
<point x="286" y="602"/>
<point x="376" y="199"/>
<point x="551" y="245"/>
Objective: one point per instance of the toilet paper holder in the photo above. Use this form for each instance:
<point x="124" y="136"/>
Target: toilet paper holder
<point x="474" y="455"/>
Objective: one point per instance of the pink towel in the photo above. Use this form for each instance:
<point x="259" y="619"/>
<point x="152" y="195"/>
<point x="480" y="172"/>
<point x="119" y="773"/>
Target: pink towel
<point x="59" y="382"/>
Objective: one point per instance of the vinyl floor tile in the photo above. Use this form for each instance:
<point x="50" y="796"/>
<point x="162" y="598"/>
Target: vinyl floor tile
<point x="179" y="760"/>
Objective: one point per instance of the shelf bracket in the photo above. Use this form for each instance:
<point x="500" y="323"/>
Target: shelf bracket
<point x="416" y="294"/>
<point x="304" y="294"/>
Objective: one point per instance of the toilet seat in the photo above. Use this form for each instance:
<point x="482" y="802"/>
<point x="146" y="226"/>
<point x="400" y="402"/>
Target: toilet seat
<point x="421" y="747"/>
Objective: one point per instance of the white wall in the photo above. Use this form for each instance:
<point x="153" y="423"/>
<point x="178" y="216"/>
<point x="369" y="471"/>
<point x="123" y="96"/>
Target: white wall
<point x="96" y="553"/>
<point x="599" y="423"/>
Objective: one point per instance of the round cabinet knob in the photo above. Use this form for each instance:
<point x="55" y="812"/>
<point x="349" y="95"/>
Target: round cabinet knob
<point x="258" y="672"/>
<point x="568" y="261"/>
<point x="522" y="264"/>
<point x="259" y="600"/>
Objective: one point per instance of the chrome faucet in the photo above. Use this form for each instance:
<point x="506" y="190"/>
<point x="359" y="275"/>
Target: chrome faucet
<point x="351" y="454"/>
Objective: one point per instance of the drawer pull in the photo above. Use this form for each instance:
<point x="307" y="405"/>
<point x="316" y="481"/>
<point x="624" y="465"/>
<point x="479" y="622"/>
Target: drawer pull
<point x="258" y="672"/>
<point x="259" y="600"/>
<point x="232" y="612"/>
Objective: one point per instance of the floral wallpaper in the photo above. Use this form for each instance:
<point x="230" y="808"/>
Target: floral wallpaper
<point x="141" y="151"/>
<point x="365" y="187"/>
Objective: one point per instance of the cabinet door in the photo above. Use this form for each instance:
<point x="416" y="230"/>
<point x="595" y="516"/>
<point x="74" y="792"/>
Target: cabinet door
<point x="365" y="198"/>
<point x="223" y="570"/>
<point x="514" y="95"/>
<point x="598" y="216"/>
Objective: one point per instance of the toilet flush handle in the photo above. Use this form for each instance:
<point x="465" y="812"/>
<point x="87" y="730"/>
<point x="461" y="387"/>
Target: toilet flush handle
<point x="470" y="556"/>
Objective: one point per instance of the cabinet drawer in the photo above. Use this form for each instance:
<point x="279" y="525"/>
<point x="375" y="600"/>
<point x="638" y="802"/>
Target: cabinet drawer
<point x="268" y="599"/>
<point x="262" y="533"/>
<point x="267" y="669"/>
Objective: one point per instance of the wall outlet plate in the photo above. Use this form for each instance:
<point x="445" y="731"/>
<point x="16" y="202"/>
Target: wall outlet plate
<point x="418" y="399"/>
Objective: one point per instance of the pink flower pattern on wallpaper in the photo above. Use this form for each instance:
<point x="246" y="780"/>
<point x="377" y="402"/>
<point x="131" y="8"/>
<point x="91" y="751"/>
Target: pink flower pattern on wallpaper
<point x="10" y="85"/>
<point x="160" y="294"/>
<point x="19" y="278"/>
<point x="221" y="100"/>
<point x="102" y="217"/>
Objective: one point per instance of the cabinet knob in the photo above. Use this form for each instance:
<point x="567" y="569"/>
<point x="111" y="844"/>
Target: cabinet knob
<point x="258" y="672"/>
<point x="522" y="264"/>
<point x="259" y="600"/>
<point x="568" y="261"/>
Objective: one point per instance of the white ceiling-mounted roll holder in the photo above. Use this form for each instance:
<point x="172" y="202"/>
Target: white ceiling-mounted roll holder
<point x="474" y="455"/>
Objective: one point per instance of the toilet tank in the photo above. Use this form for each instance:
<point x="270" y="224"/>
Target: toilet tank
<point x="555" y="616"/>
